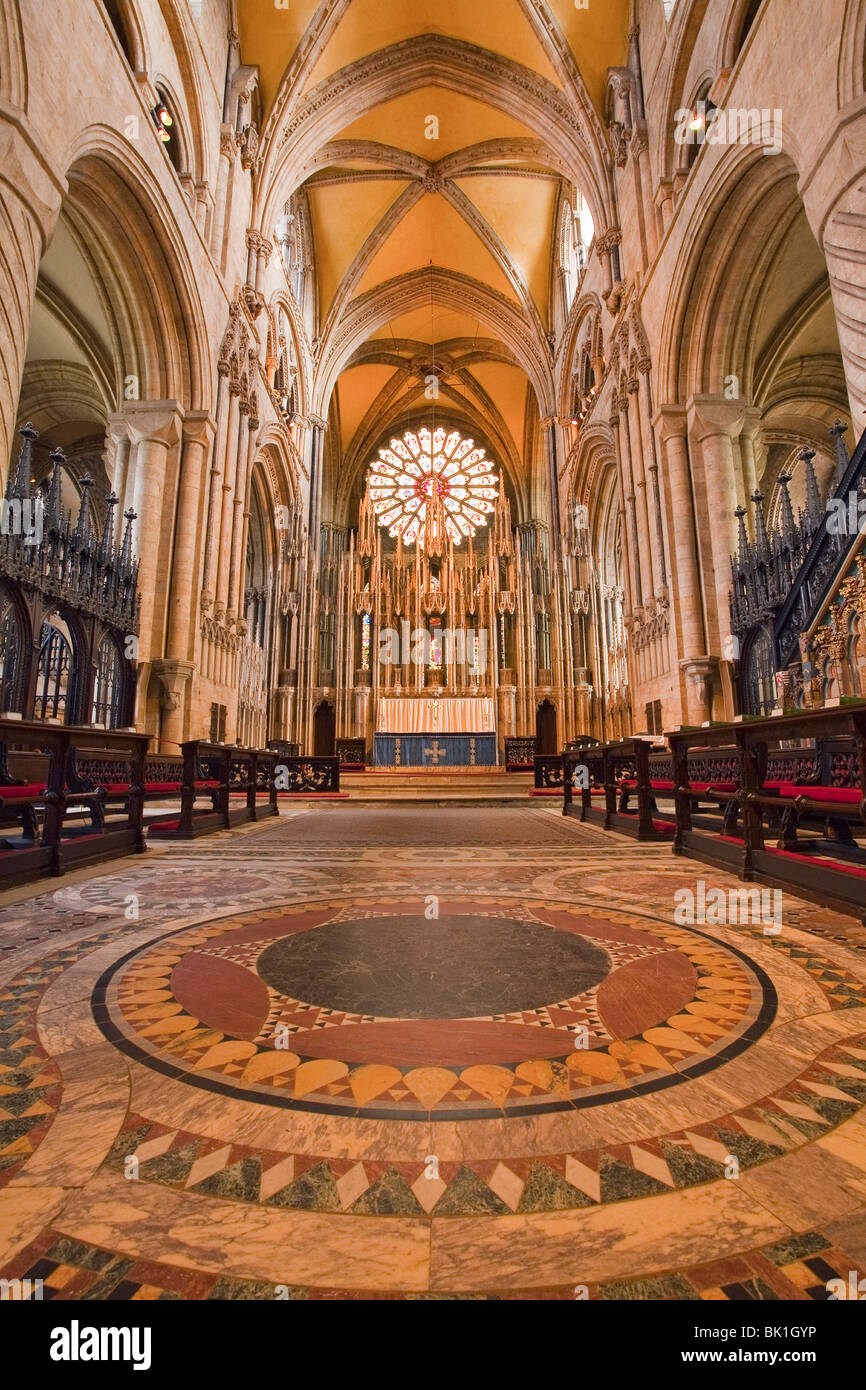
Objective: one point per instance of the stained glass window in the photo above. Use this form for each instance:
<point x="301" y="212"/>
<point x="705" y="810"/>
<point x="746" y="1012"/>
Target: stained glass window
<point x="366" y="634"/>
<point x="403" y="478"/>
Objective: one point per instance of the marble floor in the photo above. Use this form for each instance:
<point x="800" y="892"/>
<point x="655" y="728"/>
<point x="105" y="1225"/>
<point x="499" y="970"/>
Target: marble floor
<point x="425" y="1052"/>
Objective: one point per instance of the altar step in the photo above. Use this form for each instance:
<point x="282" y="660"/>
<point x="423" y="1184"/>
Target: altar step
<point x="491" y="787"/>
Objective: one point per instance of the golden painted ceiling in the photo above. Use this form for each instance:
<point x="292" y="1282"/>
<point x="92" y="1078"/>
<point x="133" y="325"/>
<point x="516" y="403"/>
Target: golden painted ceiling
<point x="431" y="143"/>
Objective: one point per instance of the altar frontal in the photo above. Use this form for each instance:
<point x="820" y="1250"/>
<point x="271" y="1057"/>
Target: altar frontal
<point x="437" y="732"/>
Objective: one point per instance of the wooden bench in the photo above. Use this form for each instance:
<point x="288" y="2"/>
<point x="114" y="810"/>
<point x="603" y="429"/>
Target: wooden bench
<point x="57" y="844"/>
<point x="310" y="777"/>
<point x="163" y="774"/>
<point x="766" y="806"/>
<point x="616" y="772"/>
<point x="224" y="771"/>
<point x="352" y="754"/>
<point x="520" y="755"/>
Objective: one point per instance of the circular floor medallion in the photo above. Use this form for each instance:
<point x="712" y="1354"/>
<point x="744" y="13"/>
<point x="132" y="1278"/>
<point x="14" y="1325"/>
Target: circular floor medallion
<point x="490" y="1009"/>
<point x="448" y="967"/>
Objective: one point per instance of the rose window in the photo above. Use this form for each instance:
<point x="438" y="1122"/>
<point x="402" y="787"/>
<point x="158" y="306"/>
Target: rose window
<point x="427" y="466"/>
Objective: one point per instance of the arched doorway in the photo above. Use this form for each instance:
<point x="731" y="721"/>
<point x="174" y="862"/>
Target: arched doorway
<point x="759" y="675"/>
<point x="546" y="740"/>
<point x="56" y="678"/>
<point x="324" y="730"/>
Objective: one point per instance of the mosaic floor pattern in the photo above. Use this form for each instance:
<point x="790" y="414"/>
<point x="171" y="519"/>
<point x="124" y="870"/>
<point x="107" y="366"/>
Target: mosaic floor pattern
<point x="506" y="1056"/>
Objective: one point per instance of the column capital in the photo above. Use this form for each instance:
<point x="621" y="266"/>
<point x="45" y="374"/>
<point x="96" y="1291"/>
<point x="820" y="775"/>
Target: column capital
<point x="670" y="422"/>
<point x="753" y="419"/>
<point x="198" y="428"/>
<point x="157" y="421"/>
<point x="714" y="415"/>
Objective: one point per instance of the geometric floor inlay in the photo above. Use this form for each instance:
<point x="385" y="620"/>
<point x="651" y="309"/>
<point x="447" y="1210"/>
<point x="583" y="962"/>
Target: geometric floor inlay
<point x="487" y="1010"/>
<point x="426" y="1054"/>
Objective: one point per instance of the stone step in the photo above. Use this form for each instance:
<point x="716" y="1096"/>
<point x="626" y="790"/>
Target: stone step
<point x="489" y="788"/>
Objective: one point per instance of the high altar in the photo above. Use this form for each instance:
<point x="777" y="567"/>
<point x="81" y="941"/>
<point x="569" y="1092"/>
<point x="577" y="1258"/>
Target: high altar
<point x="437" y="731"/>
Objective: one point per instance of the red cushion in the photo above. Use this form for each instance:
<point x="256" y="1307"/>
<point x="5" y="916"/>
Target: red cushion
<point x="161" y="788"/>
<point x="833" y="865"/>
<point x="19" y="793"/>
<point x="546" y="791"/>
<point x="205" y="786"/>
<point x="115" y="788"/>
<point x="163" y="827"/>
<point x="844" y="796"/>
<point x="703" y="787"/>
<point x="519" y="767"/>
<point x="664" y="827"/>
<point x="662" y="786"/>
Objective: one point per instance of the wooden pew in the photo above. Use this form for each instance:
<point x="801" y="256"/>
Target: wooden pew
<point x="352" y="753"/>
<point x="61" y="846"/>
<point x="624" y="770"/>
<point x="163" y="774"/>
<point x="519" y="754"/>
<point x="547" y="774"/>
<point x="311" y="777"/>
<point x="770" y="806"/>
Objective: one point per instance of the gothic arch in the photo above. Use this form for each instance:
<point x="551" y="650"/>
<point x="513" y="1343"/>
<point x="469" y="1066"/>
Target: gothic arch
<point x="587" y="306"/>
<point x="286" y="302"/>
<point x="116" y="203"/>
<point x="290" y="141"/>
<point x="851" y="79"/>
<point x="13" y="68"/>
<point x="705" y="336"/>
<point x="449" y="289"/>
<point x="176" y="18"/>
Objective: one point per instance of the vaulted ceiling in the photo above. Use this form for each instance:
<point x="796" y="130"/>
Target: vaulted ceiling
<point x="433" y="141"/>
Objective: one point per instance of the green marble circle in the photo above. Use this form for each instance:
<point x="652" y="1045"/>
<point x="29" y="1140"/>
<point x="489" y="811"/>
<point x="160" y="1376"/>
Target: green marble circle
<point x="458" y="966"/>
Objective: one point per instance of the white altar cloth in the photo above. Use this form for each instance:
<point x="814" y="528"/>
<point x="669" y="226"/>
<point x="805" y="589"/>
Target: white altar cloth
<point x="437" y="714"/>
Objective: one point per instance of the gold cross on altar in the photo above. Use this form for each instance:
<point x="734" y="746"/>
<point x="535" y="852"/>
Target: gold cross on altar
<point x="435" y="753"/>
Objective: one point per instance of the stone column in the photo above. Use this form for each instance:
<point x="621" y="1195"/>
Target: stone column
<point x="222" y="199"/>
<point x="154" y="429"/>
<point x="630" y="553"/>
<point x="216" y="468"/>
<point x="263" y="255"/>
<point x="643" y="185"/>
<point x="644" y="366"/>
<point x="174" y="678"/>
<point x="749" y="457"/>
<point x="664" y="201"/>
<point x="362" y="710"/>
<point x="198" y="435"/>
<point x="241" y="521"/>
<point x="686" y="589"/>
<point x="714" y="425"/>
<point x="238" y="412"/>
<point x="648" y="561"/>
<point x="28" y="225"/>
<point x="507" y="714"/>
<point x="117" y="462"/>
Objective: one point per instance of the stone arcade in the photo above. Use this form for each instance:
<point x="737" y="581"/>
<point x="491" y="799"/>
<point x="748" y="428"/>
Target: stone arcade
<point x="432" y="652"/>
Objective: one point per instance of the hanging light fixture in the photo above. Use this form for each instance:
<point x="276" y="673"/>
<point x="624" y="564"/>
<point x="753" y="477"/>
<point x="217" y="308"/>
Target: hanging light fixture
<point x="163" y="120"/>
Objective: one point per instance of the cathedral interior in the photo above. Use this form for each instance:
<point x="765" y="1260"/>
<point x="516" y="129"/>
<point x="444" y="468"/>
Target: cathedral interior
<point x="433" y="650"/>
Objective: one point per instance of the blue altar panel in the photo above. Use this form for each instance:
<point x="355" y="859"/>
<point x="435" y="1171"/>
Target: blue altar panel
<point x="434" y="750"/>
